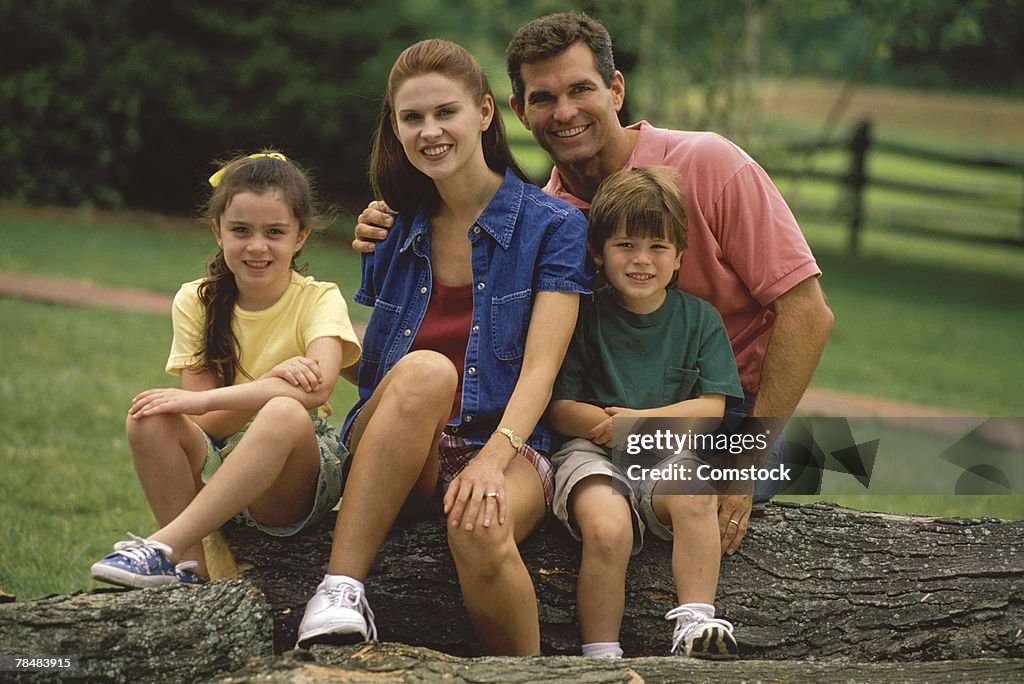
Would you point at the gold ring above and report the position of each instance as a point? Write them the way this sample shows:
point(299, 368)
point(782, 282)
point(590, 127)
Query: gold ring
point(494, 494)
point(733, 522)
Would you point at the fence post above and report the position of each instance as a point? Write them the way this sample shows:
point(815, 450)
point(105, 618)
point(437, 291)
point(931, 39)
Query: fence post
point(856, 179)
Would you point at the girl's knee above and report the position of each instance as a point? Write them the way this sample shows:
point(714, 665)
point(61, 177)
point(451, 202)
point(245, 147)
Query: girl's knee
point(283, 410)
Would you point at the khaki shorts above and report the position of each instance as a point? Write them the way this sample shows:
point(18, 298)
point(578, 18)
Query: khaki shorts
point(580, 458)
point(328, 485)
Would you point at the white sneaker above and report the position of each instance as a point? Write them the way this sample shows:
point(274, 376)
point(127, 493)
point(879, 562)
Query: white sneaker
point(703, 637)
point(338, 613)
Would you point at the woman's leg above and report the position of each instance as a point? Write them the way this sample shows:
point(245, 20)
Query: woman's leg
point(604, 518)
point(394, 458)
point(272, 471)
point(496, 586)
point(168, 452)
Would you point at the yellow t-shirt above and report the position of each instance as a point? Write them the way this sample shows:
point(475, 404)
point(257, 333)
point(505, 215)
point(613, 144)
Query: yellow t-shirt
point(308, 310)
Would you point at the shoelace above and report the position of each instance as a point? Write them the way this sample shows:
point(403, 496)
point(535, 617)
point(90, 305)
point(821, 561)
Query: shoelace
point(139, 549)
point(686, 620)
point(352, 597)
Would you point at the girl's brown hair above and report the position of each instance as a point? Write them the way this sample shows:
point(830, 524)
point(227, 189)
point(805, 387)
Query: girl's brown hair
point(261, 173)
point(392, 175)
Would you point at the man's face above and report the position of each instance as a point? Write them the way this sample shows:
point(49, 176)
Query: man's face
point(568, 108)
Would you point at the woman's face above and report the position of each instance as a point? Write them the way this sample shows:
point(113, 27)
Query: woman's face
point(439, 124)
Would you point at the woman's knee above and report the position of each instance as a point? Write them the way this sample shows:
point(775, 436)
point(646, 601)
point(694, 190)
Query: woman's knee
point(424, 375)
point(483, 550)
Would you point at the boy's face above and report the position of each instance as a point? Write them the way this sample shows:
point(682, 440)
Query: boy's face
point(639, 269)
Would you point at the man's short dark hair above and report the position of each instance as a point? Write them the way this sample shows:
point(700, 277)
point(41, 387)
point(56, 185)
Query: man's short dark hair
point(552, 35)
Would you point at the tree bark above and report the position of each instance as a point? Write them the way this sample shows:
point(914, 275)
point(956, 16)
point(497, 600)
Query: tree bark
point(815, 592)
point(389, 662)
point(808, 582)
point(169, 634)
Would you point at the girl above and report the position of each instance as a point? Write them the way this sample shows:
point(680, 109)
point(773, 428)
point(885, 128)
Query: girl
point(474, 294)
point(258, 348)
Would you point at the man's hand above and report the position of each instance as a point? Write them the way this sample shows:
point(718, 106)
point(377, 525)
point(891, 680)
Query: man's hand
point(733, 515)
point(372, 226)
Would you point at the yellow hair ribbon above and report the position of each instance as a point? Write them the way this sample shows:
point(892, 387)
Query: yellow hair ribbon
point(215, 178)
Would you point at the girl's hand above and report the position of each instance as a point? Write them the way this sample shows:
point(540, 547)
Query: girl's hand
point(299, 371)
point(168, 400)
point(477, 495)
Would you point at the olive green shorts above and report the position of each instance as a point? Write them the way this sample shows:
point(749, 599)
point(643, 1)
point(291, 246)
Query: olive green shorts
point(328, 485)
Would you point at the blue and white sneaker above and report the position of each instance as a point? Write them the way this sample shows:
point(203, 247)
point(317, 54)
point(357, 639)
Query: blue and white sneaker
point(138, 563)
point(186, 576)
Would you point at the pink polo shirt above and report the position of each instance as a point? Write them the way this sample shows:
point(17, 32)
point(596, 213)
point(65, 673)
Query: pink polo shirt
point(745, 247)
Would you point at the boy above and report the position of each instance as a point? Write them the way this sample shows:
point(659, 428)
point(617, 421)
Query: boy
point(619, 365)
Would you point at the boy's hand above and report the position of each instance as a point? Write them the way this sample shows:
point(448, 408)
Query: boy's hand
point(372, 226)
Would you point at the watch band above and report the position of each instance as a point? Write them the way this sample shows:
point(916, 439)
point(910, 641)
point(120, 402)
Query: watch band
point(515, 440)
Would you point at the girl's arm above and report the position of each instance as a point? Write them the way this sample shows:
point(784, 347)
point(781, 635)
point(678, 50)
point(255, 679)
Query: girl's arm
point(551, 324)
point(222, 411)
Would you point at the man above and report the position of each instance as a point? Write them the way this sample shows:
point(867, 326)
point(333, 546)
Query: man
point(746, 253)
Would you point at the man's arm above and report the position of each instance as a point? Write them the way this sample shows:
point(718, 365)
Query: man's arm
point(802, 325)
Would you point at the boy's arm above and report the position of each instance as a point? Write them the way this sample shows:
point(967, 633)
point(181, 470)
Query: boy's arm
point(575, 418)
point(711, 405)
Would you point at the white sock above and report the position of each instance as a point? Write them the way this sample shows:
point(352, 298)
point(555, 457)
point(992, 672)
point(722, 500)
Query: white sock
point(602, 649)
point(335, 580)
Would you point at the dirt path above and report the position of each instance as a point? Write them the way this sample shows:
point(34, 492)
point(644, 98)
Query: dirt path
point(84, 293)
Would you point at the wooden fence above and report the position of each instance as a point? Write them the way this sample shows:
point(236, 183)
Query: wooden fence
point(856, 180)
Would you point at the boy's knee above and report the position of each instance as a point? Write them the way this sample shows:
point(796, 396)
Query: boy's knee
point(684, 507)
point(610, 537)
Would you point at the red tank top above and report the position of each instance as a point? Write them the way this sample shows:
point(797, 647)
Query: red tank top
point(445, 328)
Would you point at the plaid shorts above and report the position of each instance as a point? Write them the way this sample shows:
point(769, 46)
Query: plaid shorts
point(454, 455)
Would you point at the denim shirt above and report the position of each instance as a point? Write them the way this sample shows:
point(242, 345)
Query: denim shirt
point(523, 243)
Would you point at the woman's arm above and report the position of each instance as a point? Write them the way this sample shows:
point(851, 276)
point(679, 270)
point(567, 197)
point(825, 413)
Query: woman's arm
point(551, 324)
point(222, 411)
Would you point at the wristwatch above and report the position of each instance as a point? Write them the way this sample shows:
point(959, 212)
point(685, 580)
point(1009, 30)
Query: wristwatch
point(515, 440)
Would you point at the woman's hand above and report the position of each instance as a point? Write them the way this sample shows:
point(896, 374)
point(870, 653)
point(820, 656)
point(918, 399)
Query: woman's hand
point(373, 225)
point(477, 494)
point(299, 371)
point(168, 400)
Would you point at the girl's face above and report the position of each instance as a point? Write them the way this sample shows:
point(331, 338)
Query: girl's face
point(639, 269)
point(439, 123)
point(259, 235)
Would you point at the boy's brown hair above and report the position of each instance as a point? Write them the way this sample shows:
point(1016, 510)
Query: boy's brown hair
point(646, 202)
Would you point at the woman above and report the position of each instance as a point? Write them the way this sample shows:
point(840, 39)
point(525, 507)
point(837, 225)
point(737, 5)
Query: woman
point(475, 294)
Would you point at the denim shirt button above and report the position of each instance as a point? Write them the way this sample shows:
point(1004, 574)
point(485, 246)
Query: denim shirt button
point(423, 290)
point(480, 286)
point(471, 370)
point(468, 419)
point(476, 328)
point(476, 229)
point(407, 332)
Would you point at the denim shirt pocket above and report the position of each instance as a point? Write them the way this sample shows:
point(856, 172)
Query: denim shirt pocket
point(510, 319)
point(679, 384)
point(380, 330)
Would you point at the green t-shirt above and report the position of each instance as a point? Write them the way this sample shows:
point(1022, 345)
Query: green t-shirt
point(639, 361)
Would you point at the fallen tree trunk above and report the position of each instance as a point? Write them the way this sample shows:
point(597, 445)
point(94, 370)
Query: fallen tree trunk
point(179, 634)
point(824, 592)
point(809, 582)
point(389, 662)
